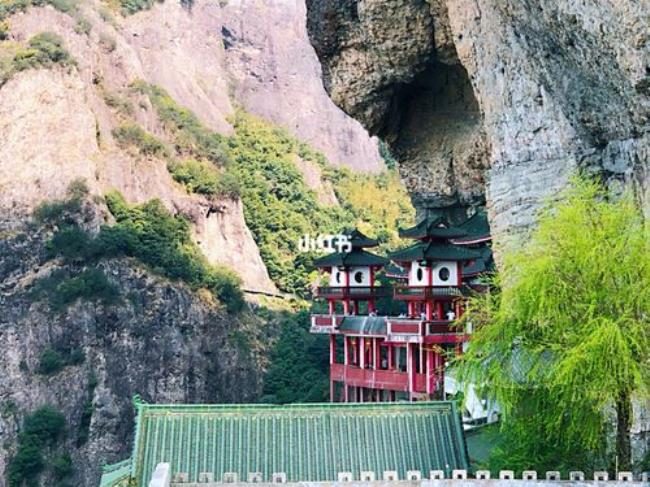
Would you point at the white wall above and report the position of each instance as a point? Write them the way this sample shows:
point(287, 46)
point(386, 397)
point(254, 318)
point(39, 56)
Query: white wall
point(437, 281)
point(363, 273)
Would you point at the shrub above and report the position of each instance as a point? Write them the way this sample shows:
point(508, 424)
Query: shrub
point(41, 429)
point(83, 26)
point(62, 290)
point(51, 362)
point(122, 105)
point(197, 176)
point(129, 7)
point(132, 135)
point(44, 50)
point(62, 466)
point(64, 210)
point(107, 42)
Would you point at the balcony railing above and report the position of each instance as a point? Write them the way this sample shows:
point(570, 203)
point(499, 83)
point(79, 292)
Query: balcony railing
point(411, 293)
point(353, 292)
point(392, 380)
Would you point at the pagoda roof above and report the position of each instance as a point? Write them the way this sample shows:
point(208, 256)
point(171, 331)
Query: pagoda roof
point(431, 227)
point(356, 257)
point(308, 442)
point(477, 228)
point(485, 263)
point(433, 251)
point(359, 240)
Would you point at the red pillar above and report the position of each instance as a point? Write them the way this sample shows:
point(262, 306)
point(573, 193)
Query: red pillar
point(332, 306)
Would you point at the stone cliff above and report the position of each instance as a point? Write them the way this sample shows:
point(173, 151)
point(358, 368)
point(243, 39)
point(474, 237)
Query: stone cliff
point(164, 340)
point(494, 102)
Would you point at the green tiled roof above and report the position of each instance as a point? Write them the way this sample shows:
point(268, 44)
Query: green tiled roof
point(433, 251)
point(356, 257)
point(476, 226)
point(432, 228)
point(309, 442)
point(116, 475)
point(359, 240)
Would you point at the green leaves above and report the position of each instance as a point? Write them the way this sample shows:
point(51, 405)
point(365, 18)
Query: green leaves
point(574, 309)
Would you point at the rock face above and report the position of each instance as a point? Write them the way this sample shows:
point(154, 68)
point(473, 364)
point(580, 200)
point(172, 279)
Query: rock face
point(495, 102)
point(162, 342)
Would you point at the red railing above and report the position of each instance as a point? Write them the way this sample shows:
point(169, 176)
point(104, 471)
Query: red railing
point(392, 380)
point(326, 320)
point(353, 292)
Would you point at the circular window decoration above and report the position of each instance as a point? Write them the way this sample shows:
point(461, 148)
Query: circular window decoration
point(337, 276)
point(443, 274)
point(358, 277)
point(419, 275)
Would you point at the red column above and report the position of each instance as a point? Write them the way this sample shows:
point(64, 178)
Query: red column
point(409, 369)
point(390, 356)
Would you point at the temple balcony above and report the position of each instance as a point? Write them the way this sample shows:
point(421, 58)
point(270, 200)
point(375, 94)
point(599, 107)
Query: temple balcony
point(391, 380)
point(394, 329)
point(353, 292)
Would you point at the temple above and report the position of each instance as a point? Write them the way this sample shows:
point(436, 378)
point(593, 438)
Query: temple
point(398, 351)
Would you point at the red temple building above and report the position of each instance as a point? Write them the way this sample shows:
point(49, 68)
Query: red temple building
point(377, 357)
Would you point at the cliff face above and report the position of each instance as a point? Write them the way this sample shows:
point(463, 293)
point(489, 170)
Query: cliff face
point(494, 101)
point(162, 340)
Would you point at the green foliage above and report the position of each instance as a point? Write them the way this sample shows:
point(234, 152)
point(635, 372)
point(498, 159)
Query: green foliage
point(566, 338)
point(387, 156)
point(191, 138)
point(202, 177)
point(280, 208)
point(162, 241)
point(64, 210)
point(133, 136)
point(130, 7)
point(122, 105)
point(63, 289)
point(299, 363)
point(53, 360)
point(50, 362)
point(41, 430)
point(62, 466)
point(83, 26)
point(44, 50)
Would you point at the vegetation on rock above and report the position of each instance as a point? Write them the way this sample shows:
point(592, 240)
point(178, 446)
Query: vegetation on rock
point(39, 438)
point(43, 50)
point(565, 342)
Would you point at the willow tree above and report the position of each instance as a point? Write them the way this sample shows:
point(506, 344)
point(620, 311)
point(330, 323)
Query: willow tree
point(563, 342)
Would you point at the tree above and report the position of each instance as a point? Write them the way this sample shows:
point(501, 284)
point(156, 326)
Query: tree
point(565, 339)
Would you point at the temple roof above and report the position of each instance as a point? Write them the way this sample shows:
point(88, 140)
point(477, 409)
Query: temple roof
point(359, 240)
point(308, 442)
point(433, 251)
point(485, 263)
point(477, 228)
point(432, 228)
point(356, 257)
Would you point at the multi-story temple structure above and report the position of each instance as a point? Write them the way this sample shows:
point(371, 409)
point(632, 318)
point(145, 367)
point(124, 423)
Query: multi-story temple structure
point(376, 356)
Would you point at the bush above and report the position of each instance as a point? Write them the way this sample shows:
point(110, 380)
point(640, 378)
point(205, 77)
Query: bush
point(41, 429)
point(44, 50)
point(129, 7)
point(64, 210)
point(197, 176)
point(51, 362)
point(132, 135)
point(83, 26)
point(62, 466)
point(62, 289)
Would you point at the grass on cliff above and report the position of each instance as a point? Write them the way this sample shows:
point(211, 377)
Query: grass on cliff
point(43, 50)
